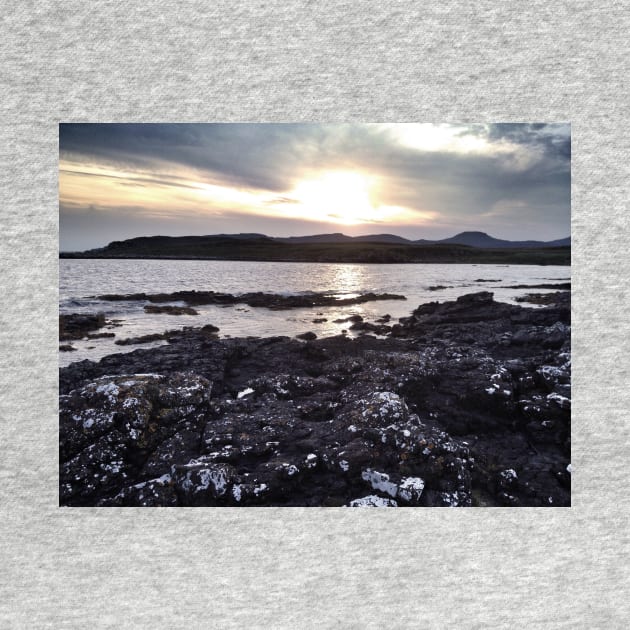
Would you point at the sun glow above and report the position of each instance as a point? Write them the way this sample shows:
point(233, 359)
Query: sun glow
point(448, 138)
point(347, 198)
point(343, 197)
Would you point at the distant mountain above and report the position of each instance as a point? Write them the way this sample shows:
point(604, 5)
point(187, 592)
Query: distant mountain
point(382, 238)
point(561, 242)
point(337, 237)
point(481, 239)
point(240, 235)
point(467, 247)
point(470, 239)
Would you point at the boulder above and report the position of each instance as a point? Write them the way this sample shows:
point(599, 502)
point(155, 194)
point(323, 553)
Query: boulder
point(110, 427)
point(78, 325)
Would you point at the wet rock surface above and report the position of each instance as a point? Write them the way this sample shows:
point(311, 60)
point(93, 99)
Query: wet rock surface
point(208, 331)
point(78, 325)
point(170, 310)
point(539, 298)
point(464, 403)
point(271, 301)
point(562, 286)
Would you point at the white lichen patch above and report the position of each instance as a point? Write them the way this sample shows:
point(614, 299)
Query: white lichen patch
point(380, 481)
point(551, 373)
point(260, 489)
point(562, 401)
point(311, 460)
point(372, 500)
point(159, 481)
point(237, 491)
point(410, 489)
point(94, 418)
point(450, 499)
point(509, 474)
point(110, 391)
point(131, 403)
point(112, 467)
point(290, 469)
point(215, 477)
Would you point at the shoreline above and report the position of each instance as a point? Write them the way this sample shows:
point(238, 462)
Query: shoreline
point(564, 262)
point(462, 403)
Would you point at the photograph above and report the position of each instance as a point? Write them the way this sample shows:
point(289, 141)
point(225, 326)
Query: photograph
point(315, 314)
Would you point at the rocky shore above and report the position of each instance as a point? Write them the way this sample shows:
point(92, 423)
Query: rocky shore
point(273, 301)
point(464, 403)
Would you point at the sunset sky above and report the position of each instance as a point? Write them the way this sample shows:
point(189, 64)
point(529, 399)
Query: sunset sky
point(117, 181)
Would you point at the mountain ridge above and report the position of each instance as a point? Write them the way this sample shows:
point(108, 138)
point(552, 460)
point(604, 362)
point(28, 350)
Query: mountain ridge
point(476, 239)
point(469, 238)
point(335, 248)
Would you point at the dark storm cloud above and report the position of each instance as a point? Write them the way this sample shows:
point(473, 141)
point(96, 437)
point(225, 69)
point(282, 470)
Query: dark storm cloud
point(523, 178)
point(244, 155)
point(165, 180)
point(272, 156)
point(466, 185)
point(553, 138)
point(531, 164)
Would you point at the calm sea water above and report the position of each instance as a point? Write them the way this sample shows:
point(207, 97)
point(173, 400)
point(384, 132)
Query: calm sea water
point(81, 280)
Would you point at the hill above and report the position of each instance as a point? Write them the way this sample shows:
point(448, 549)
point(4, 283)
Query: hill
point(324, 248)
point(481, 239)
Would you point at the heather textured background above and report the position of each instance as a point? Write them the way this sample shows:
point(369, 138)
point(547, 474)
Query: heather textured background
point(329, 61)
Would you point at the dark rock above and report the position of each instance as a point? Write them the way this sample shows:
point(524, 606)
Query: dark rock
point(77, 325)
point(379, 329)
point(67, 348)
point(542, 298)
point(159, 492)
point(483, 297)
point(266, 300)
point(446, 410)
point(308, 336)
point(208, 331)
point(561, 286)
point(109, 428)
point(101, 335)
point(142, 339)
point(351, 318)
point(170, 310)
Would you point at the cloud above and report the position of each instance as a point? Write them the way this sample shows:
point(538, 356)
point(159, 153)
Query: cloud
point(460, 183)
point(553, 138)
point(242, 155)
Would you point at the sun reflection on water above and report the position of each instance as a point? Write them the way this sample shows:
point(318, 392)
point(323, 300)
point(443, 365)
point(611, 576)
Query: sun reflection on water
point(348, 280)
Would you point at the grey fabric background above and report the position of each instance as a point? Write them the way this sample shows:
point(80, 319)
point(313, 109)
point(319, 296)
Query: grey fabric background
point(302, 61)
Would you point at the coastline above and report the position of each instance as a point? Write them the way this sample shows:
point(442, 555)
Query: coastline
point(527, 257)
point(462, 403)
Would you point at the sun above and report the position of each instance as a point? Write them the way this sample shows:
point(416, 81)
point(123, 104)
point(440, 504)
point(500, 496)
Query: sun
point(338, 196)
